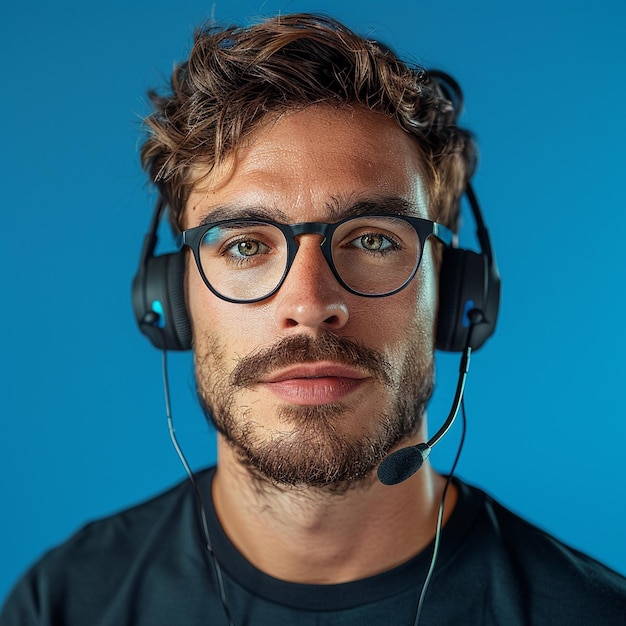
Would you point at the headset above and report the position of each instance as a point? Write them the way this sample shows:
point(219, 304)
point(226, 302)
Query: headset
point(469, 281)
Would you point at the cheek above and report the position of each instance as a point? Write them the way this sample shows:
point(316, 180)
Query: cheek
point(412, 310)
point(427, 291)
point(236, 327)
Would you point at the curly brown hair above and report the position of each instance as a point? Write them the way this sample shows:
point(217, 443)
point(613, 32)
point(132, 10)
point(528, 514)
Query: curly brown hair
point(235, 76)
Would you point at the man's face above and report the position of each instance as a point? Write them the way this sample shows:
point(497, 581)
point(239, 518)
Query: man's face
point(314, 385)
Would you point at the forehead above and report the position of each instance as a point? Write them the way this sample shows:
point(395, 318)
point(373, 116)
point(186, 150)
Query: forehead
point(314, 165)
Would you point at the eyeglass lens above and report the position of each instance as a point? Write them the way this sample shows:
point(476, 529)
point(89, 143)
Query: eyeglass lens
point(246, 260)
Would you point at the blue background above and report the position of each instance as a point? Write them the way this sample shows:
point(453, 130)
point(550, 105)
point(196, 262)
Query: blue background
point(83, 426)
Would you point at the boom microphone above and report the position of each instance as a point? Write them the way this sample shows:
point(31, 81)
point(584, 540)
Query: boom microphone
point(403, 463)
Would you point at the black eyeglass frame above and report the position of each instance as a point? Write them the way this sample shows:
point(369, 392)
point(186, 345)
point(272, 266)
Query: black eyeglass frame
point(424, 228)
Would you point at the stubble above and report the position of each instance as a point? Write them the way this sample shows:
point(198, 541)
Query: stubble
point(315, 448)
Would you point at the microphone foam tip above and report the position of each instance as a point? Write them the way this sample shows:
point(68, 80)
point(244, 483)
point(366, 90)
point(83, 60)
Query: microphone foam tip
point(400, 465)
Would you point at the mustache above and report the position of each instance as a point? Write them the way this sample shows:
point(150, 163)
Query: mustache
point(303, 348)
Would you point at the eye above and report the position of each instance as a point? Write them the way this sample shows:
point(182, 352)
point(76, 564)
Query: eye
point(246, 248)
point(374, 242)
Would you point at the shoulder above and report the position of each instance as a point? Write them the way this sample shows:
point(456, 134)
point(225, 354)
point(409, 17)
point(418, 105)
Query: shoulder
point(551, 577)
point(109, 561)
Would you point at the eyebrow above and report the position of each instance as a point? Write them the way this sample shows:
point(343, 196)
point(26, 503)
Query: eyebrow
point(337, 209)
point(383, 205)
point(238, 211)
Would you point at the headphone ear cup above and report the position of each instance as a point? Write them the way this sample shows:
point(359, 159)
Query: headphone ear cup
point(159, 302)
point(466, 282)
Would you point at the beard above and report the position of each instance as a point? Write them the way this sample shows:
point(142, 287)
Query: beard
point(315, 449)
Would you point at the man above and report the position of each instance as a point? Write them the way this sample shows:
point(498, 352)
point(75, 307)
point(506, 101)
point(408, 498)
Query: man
point(314, 178)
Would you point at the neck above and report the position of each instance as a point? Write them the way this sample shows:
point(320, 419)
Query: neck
point(318, 536)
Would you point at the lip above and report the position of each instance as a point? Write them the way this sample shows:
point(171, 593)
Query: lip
point(314, 383)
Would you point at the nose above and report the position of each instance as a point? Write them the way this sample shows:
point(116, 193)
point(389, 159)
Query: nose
point(311, 299)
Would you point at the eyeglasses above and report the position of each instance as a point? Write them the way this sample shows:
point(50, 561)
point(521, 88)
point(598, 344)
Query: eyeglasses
point(247, 260)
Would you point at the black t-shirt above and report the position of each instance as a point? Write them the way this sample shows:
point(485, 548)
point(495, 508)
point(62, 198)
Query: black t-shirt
point(147, 566)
